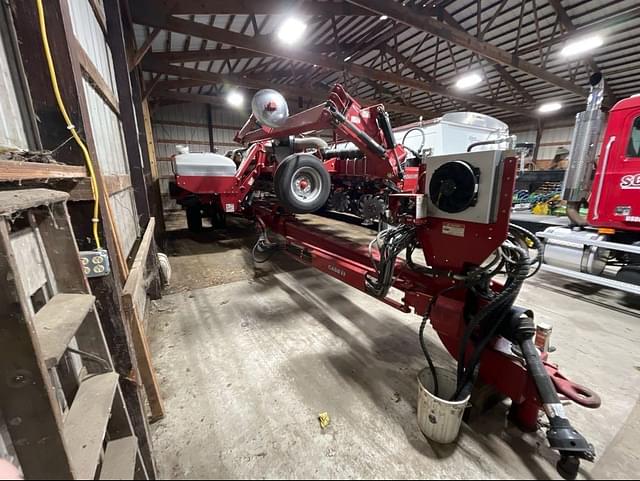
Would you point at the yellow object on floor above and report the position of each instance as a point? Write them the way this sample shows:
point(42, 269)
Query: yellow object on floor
point(324, 419)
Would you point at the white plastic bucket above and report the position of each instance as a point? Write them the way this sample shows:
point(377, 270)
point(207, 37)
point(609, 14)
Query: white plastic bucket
point(439, 419)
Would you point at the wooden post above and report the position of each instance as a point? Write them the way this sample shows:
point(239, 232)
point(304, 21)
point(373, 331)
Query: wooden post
point(115, 39)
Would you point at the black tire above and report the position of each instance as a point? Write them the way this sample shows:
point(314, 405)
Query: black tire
point(302, 183)
point(194, 218)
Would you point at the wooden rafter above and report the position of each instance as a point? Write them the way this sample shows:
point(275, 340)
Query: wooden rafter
point(144, 15)
point(424, 22)
point(566, 21)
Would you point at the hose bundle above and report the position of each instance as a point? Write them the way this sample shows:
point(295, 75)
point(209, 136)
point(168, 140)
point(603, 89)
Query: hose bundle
point(390, 243)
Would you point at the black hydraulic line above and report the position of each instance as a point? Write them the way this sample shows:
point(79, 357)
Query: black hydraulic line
point(487, 142)
point(385, 125)
point(366, 138)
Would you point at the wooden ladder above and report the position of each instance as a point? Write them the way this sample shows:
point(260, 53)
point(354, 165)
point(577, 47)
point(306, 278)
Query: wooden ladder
point(59, 394)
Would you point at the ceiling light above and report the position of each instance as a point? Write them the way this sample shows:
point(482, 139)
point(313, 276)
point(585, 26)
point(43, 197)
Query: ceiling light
point(348, 58)
point(468, 81)
point(582, 45)
point(549, 107)
point(384, 17)
point(235, 99)
point(291, 31)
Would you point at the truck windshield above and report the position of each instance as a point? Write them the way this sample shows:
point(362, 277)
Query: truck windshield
point(633, 150)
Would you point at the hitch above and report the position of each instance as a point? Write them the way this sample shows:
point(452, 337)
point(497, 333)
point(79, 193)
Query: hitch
point(562, 436)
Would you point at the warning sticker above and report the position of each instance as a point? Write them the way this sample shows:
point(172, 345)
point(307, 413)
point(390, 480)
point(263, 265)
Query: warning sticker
point(230, 208)
point(456, 230)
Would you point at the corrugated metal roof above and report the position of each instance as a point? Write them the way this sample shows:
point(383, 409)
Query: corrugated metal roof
point(530, 29)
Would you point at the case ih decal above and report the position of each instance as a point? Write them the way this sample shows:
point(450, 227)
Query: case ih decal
point(631, 181)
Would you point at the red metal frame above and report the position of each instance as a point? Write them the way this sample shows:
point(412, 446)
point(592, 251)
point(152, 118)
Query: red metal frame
point(350, 263)
point(450, 246)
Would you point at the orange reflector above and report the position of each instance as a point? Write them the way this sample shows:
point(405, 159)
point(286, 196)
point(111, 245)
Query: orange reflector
point(606, 231)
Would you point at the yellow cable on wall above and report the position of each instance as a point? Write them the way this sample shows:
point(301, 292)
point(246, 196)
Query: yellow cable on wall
point(63, 110)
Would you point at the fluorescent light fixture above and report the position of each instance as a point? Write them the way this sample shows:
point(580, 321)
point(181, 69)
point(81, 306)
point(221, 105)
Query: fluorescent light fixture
point(235, 99)
point(384, 17)
point(348, 58)
point(549, 107)
point(468, 81)
point(582, 45)
point(291, 31)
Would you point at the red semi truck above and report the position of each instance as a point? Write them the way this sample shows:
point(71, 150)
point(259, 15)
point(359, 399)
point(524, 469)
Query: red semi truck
point(603, 247)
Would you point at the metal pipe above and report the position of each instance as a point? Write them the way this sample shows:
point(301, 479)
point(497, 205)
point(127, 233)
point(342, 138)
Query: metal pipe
point(309, 142)
point(363, 136)
point(586, 135)
point(573, 213)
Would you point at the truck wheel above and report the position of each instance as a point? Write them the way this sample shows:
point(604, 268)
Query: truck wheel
point(302, 183)
point(194, 218)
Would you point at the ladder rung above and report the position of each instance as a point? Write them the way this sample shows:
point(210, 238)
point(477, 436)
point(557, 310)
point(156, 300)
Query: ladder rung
point(120, 459)
point(58, 322)
point(86, 423)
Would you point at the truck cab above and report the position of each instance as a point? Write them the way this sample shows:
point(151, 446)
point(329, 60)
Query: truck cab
point(615, 199)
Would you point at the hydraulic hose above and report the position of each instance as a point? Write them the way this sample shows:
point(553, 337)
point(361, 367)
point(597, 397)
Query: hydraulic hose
point(495, 309)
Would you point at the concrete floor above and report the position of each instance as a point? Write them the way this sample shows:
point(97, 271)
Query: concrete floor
point(248, 358)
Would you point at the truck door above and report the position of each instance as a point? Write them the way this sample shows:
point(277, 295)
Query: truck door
point(615, 201)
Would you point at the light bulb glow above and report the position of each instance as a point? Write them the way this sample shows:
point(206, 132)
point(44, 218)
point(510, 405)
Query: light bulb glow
point(235, 99)
point(549, 107)
point(291, 31)
point(581, 46)
point(468, 81)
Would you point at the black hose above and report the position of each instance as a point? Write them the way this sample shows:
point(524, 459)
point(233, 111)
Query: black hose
point(537, 245)
point(497, 308)
point(259, 247)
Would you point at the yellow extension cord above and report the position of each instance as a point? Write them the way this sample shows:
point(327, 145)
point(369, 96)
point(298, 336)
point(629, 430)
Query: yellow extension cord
point(63, 110)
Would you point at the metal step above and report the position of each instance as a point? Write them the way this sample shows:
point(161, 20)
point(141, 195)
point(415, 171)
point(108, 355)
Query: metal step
point(120, 459)
point(86, 423)
point(57, 323)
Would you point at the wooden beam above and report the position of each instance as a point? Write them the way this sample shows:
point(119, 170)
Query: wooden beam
point(95, 77)
point(205, 55)
point(263, 7)
point(502, 71)
point(193, 98)
point(134, 297)
point(142, 51)
point(595, 27)
point(146, 16)
point(426, 23)
point(151, 85)
point(15, 171)
point(565, 20)
point(201, 77)
point(130, 128)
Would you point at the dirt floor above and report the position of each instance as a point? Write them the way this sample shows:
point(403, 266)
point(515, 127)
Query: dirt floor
point(248, 357)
